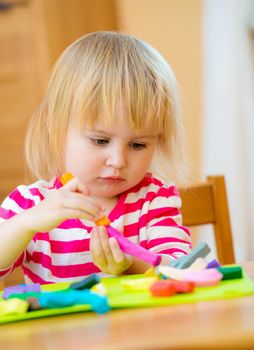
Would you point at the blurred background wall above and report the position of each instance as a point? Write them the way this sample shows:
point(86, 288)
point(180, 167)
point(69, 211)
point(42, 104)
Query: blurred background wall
point(34, 32)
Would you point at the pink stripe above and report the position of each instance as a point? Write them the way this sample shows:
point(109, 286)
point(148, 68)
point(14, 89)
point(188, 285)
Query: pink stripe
point(6, 213)
point(170, 222)
point(158, 241)
point(33, 277)
point(63, 271)
point(19, 261)
point(36, 192)
point(131, 230)
point(171, 251)
point(5, 272)
point(23, 202)
point(75, 246)
point(41, 236)
point(73, 223)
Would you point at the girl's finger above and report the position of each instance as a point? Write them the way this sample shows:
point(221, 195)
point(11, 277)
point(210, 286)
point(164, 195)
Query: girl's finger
point(96, 249)
point(104, 241)
point(75, 185)
point(117, 253)
point(82, 203)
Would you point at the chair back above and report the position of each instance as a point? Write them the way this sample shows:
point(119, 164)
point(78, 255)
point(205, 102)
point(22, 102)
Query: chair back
point(206, 203)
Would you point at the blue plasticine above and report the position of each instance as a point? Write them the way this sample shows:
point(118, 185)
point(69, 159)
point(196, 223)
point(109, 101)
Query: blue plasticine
point(200, 251)
point(71, 297)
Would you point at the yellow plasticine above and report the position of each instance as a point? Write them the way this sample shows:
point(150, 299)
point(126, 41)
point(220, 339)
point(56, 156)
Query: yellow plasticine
point(13, 306)
point(151, 272)
point(99, 288)
point(104, 221)
point(66, 178)
point(140, 284)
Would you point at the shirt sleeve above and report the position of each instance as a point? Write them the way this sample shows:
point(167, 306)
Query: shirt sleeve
point(18, 201)
point(165, 233)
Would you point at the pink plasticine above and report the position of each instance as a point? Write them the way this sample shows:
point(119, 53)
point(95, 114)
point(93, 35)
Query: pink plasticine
point(133, 249)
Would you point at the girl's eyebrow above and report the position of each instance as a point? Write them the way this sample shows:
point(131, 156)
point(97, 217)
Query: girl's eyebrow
point(148, 136)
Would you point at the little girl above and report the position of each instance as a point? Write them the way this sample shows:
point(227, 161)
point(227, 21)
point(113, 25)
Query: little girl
point(111, 117)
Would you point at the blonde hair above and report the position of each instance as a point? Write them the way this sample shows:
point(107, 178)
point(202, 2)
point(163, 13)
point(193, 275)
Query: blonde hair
point(88, 81)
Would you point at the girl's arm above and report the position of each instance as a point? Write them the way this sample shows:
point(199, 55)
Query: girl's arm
point(70, 201)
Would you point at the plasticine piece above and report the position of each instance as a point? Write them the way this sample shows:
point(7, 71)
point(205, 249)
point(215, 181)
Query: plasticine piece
point(201, 250)
point(171, 272)
point(21, 288)
point(139, 284)
point(13, 306)
point(231, 272)
point(86, 283)
point(178, 274)
point(151, 272)
point(66, 178)
point(198, 265)
point(133, 249)
point(162, 289)
point(23, 296)
point(70, 297)
point(213, 264)
point(104, 221)
point(99, 288)
point(183, 286)
point(205, 278)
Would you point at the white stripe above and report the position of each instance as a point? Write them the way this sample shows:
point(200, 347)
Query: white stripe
point(177, 219)
point(169, 231)
point(60, 259)
point(10, 204)
point(164, 202)
point(66, 235)
point(46, 274)
point(132, 197)
point(174, 245)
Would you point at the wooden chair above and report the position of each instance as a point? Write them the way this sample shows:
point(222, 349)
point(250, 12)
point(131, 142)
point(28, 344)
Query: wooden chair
point(206, 203)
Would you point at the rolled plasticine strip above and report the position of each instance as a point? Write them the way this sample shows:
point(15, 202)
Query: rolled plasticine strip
point(178, 274)
point(205, 278)
point(213, 264)
point(231, 272)
point(200, 251)
point(126, 245)
point(21, 288)
point(133, 249)
point(162, 289)
point(71, 297)
point(86, 283)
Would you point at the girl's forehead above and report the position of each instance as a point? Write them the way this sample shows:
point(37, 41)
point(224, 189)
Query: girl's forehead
point(122, 126)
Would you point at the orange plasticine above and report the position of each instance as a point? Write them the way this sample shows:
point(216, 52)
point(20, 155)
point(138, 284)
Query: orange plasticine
point(104, 221)
point(66, 178)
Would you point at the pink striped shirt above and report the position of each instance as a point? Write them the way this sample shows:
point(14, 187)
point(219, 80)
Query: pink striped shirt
point(148, 214)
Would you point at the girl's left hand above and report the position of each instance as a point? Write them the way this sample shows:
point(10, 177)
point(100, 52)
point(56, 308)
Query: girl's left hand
point(106, 253)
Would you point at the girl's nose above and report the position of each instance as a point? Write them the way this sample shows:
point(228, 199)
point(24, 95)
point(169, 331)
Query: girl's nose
point(116, 159)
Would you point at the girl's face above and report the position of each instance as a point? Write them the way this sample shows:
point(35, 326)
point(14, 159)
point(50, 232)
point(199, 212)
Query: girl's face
point(109, 159)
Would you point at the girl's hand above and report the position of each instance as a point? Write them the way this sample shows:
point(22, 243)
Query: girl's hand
point(106, 253)
point(70, 201)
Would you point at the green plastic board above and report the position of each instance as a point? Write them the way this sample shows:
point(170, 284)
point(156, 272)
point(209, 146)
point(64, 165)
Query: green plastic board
point(119, 297)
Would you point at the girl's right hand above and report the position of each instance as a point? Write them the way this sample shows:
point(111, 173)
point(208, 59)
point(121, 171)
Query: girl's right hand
point(70, 201)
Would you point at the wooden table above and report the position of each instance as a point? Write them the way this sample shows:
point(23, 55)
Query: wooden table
point(225, 324)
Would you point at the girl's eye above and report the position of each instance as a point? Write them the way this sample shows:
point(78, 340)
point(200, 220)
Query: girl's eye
point(137, 146)
point(99, 142)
